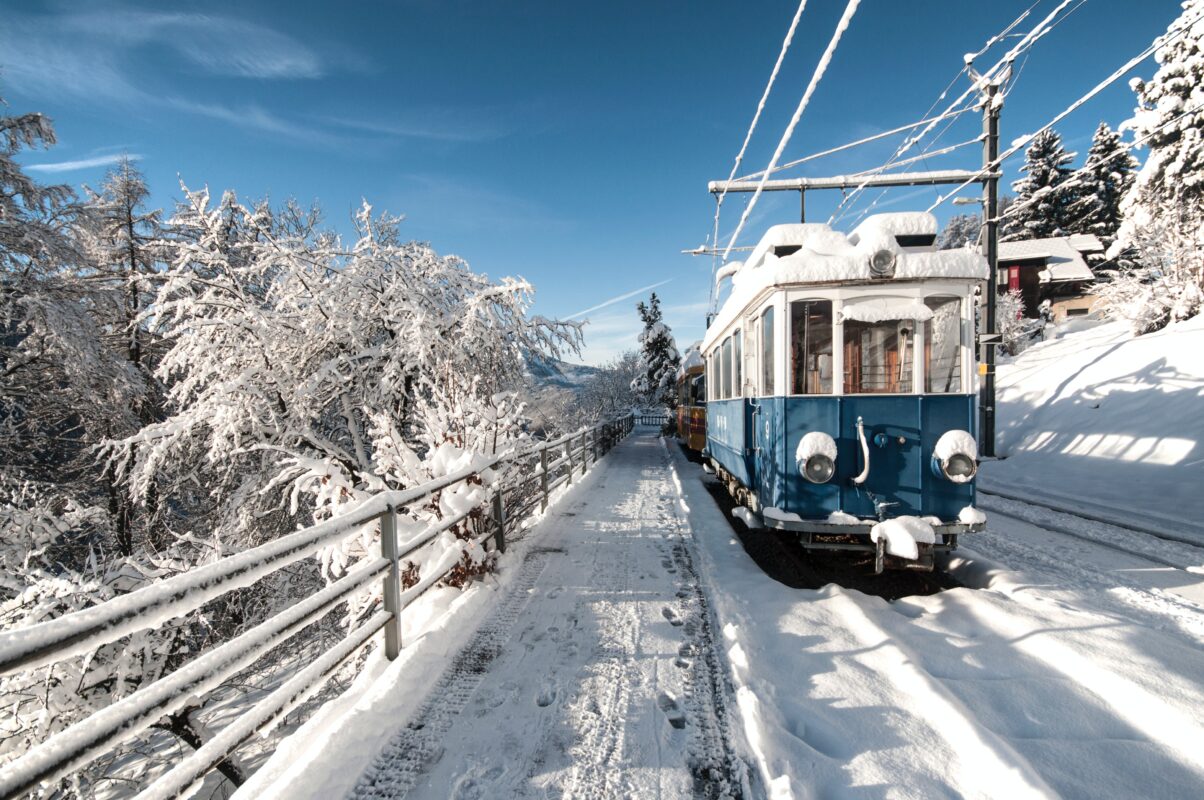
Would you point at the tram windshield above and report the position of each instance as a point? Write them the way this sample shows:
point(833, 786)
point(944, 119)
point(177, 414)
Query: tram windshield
point(942, 345)
point(811, 347)
point(878, 356)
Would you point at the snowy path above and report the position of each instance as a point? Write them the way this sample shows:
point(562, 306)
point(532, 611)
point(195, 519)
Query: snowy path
point(592, 676)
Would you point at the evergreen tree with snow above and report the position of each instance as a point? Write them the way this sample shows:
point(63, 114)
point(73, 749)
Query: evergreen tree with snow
point(1163, 211)
point(659, 359)
point(961, 230)
point(1042, 207)
point(1101, 185)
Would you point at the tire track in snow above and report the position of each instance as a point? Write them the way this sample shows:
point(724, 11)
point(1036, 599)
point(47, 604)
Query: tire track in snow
point(417, 745)
point(602, 702)
point(718, 771)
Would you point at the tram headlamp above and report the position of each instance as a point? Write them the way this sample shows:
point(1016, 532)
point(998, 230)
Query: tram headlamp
point(816, 457)
point(819, 468)
point(882, 264)
point(959, 468)
point(955, 457)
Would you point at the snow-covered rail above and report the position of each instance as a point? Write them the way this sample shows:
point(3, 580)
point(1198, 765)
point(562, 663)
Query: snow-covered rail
point(531, 476)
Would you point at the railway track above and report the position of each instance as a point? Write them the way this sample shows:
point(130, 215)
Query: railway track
point(1179, 560)
point(1060, 509)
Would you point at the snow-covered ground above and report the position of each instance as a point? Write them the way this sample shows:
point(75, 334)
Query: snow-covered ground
point(1105, 421)
point(630, 646)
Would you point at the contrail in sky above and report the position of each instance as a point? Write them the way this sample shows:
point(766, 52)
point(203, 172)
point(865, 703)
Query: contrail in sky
point(618, 299)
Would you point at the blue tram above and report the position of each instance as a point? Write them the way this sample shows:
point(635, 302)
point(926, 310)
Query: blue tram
point(841, 396)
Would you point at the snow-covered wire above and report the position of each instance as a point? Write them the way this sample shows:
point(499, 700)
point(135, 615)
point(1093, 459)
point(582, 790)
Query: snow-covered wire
point(850, 145)
point(1026, 42)
point(820, 68)
point(752, 127)
point(1025, 140)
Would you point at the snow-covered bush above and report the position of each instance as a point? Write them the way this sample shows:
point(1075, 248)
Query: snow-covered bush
point(1016, 329)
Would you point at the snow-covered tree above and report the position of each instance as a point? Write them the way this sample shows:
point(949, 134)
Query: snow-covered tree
point(609, 393)
point(959, 231)
point(1042, 206)
point(305, 376)
point(1163, 211)
point(659, 359)
point(1101, 184)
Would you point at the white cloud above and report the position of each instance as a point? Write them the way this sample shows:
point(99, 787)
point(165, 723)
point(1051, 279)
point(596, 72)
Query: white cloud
point(83, 163)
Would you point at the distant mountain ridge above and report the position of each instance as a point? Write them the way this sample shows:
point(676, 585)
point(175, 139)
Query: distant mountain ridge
point(554, 372)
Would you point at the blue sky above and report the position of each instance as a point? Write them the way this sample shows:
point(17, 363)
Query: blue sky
point(568, 143)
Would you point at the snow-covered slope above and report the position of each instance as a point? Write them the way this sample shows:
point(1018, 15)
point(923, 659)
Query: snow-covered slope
point(546, 371)
point(1107, 421)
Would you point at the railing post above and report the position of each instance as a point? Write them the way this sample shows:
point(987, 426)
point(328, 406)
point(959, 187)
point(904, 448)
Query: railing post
point(568, 453)
point(593, 435)
point(543, 477)
point(499, 520)
point(392, 587)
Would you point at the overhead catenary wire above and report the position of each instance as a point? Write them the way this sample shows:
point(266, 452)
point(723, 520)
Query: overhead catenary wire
point(1026, 42)
point(850, 145)
point(816, 76)
point(753, 126)
point(1025, 140)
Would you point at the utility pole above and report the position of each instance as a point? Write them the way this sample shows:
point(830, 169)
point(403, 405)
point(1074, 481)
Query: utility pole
point(992, 102)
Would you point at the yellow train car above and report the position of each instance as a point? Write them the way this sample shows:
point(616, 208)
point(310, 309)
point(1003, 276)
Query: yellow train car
point(691, 402)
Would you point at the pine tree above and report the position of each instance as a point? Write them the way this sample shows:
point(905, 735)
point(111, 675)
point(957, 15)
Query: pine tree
point(959, 231)
point(1102, 183)
point(655, 384)
point(1163, 211)
point(1042, 204)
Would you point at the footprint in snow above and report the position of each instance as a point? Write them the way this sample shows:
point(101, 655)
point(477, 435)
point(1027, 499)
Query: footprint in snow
point(546, 695)
point(673, 712)
point(671, 615)
point(682, 594)
point(555, 592)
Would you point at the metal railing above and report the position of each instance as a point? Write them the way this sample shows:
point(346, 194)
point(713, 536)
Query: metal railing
point(534, 475)
point(652, 419)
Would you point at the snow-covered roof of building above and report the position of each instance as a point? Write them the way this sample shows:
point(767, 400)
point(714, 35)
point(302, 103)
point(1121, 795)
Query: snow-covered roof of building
point(1085, 243)
point(1063, 257)
point(819, 254)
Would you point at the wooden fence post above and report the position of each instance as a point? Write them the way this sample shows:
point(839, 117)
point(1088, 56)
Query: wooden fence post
point(568, 453)
point(392, 587)
point(499, 520)
point(543, 477)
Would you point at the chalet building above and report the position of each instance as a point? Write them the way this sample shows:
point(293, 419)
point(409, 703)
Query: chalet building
point(1051, 269)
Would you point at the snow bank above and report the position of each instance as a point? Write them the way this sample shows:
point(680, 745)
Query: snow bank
point(904, 535)
point(1101, 420)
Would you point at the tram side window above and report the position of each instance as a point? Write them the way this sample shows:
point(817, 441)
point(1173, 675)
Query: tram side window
point(699, 390)
point(736, 388)
point(943, 345)
point(725, 381)
point(767, 352)
point(878, 356)
point(811, 347)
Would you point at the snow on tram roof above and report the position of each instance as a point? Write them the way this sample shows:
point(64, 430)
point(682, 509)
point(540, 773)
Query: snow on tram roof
point(814, 253)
